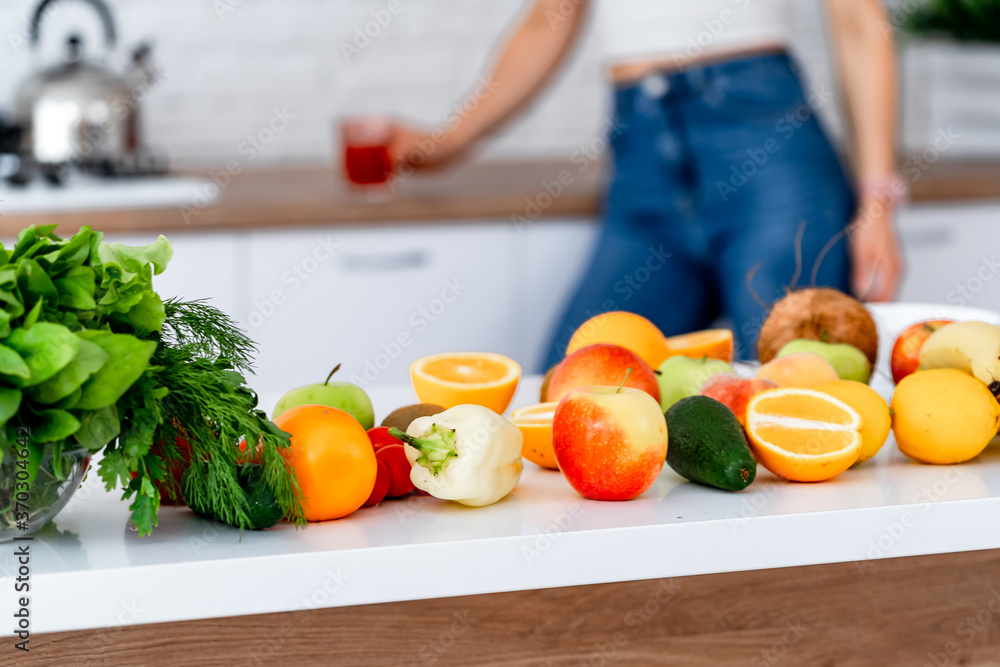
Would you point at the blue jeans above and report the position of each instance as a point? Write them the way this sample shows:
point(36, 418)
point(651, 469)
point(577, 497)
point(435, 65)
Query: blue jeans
point(725, 193)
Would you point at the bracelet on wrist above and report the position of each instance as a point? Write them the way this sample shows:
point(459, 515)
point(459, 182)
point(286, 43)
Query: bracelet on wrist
point(891, 191)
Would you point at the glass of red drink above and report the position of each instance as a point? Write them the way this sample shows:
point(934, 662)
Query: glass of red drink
point(367, 161)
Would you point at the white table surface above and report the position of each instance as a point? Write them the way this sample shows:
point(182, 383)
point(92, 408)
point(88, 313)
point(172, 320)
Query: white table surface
point(96, 572)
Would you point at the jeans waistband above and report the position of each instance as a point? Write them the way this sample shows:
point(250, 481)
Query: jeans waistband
point(695, 79)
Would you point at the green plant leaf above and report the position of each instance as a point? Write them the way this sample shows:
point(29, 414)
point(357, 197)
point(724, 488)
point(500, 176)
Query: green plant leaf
point(88, 361)
point(98, 428)
point(69, 402)
point(144, 511)
point(134, 258)
point(9, 300)
point(74, 252)
point(32, 317)
point(52, 425)
point(11, 363)
point(129, 359)
point(46, 349)
point(10, 401)
point(146, 316)
point(126, 273)
point(34, 281)
point(77, 288)
point(113, 468)
point(31, 239)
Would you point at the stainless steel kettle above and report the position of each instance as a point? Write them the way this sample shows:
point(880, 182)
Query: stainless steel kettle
point(76, 114)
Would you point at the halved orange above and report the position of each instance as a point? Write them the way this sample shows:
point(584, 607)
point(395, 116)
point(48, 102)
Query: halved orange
point(459, 378)
point(711, 343)
point(535, 422)
point(803, 435)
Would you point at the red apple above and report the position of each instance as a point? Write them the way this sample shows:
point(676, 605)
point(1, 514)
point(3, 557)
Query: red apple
point(735, 391)
point(609, 442)
point(905, 357)
point(602, 364)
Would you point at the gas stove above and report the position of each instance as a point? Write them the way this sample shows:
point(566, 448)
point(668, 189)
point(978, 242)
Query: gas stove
point(85, 192)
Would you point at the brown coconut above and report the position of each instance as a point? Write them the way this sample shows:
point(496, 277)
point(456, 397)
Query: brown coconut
point(818, 313)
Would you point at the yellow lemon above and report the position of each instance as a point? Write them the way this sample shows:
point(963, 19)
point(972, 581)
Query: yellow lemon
point(874, 411)
point(631, 331)
point(943, 416)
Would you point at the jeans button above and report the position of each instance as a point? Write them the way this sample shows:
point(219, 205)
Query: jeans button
point(655, 86)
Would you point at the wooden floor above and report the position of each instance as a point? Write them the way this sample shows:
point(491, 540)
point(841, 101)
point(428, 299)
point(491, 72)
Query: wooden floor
point(934, 611)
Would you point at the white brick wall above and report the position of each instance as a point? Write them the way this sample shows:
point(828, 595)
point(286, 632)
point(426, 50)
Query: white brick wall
point(226, 72)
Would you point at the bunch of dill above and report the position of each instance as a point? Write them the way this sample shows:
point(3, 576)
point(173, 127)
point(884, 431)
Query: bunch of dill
point(195, 389)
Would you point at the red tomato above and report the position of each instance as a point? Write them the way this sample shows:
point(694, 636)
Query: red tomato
point(381, 486)
point(394, 457)
point(380, 437)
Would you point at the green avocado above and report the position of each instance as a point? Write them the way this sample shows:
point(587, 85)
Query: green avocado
point(707, 444)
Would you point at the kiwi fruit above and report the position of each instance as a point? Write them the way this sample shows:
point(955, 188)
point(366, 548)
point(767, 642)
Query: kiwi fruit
point(818, 313)
point(402, 417)
point(543, 395)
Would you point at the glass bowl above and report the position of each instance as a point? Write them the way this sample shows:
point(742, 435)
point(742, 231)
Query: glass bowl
point(25, 506)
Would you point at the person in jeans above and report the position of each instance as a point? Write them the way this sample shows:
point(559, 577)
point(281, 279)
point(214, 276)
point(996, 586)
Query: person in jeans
point(724, 188)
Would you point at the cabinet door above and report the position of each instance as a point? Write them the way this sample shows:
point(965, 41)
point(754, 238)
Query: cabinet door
point(551, 259)
point(204, 266)
point(374, 299)
point(952, 254)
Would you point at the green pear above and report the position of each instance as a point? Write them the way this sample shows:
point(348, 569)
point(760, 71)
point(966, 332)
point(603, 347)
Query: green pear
point(680, 377)
point(345, 396)
point(849, 362)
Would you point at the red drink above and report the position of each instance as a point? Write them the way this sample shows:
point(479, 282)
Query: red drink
point(367, 160)
point(367, 165)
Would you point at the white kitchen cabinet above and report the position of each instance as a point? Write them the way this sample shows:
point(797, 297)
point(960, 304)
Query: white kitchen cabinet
point(374, 299)
point(377, 298)
point(551, 258)
point(952, 254)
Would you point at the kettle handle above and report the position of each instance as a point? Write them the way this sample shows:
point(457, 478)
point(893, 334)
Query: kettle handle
point(110, 34)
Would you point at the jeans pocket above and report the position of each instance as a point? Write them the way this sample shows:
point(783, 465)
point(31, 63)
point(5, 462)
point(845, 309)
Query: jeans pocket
point(756, 89)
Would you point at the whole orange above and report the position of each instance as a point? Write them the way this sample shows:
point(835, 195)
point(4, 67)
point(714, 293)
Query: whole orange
point(332, 458)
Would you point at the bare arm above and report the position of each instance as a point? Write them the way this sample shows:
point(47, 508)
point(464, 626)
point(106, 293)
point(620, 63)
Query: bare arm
point(867, 63)
point(523, 65)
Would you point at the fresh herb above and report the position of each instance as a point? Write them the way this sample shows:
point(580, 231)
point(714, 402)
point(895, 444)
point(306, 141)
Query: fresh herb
point(91, 357)
point(205, 402)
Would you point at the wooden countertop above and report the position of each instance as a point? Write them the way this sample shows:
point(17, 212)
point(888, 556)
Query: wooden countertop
point(305, 196)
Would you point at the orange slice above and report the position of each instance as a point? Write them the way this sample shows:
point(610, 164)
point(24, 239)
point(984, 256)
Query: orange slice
point(711, 343)
point(631, 331)
point(459, 378)
point(535, 422)
point(803, 435)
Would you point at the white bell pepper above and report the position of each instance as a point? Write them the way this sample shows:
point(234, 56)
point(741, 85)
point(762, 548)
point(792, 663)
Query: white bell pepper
point(468, 454)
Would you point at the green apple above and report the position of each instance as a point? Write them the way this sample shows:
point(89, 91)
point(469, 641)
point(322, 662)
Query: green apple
point(345, 396)
point(849, 362)
point(680, 377)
